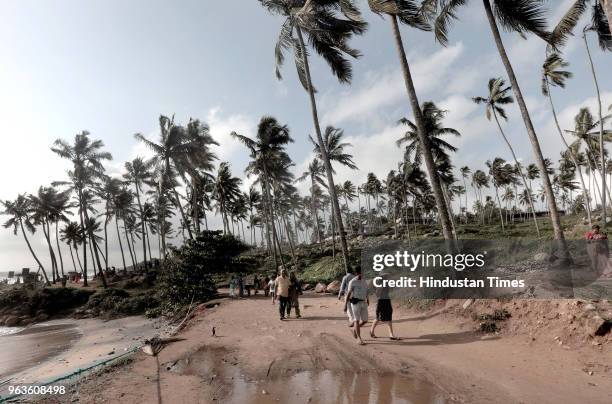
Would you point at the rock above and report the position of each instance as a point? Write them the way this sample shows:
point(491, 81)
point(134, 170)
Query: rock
point(541, 257)
point(306, 286)
point(333, 287)
point(589, 307)
point(595, 325)
point(11, 321)
point(320, 288)
point(25, 320)
point(41, 317)
point(467, 303)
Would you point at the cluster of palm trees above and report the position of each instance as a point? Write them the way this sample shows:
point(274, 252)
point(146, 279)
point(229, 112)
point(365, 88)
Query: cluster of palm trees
point(172, 194)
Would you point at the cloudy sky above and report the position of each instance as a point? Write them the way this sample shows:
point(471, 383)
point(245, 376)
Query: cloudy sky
point(111, 67)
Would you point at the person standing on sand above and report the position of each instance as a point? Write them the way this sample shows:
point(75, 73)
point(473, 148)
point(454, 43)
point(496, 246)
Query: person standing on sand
point(266, 286)
point(343, 288)
point(282, 292)
point(232, 286)
point(272, 288)
point(597, 249)
point(295, 290)
point(255, 285)
point(384, 310)
point(240, 286)
point(357, 295)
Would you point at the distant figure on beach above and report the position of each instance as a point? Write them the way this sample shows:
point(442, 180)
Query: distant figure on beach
point(272, 288)
point(295, 290)
point(357, 297)
point(384, 310)
point(232, 286)
point(282, 292)
point(342, 292)
point(240, 286)
point(266, 286)
point(598, 250)
point(255, 284)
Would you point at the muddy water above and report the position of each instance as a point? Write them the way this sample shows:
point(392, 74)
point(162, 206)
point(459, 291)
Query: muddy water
point(320, 386)
point(31, 346)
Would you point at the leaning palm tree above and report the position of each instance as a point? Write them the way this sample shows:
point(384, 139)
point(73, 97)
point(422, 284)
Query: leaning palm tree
point(86, 157)
point(327, 26)
point(138, 172)
point(410, 14)
point(498, 97)
point(465, 173)
point(20, 220)
point(226, 190)
point(523, 17)
point(554, 75)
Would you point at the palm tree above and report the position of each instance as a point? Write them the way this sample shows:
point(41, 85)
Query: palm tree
point(480, 180)
point(553, 75)
point(465, 173)
point(86, 157)
point(500, 172)
point(494, 101)
point(19, 211)
point(521, 16)
point(315, 174)
point(71, 234)
point(349, 192)
point(226, 190)
point(138, 172)
point(328, 27)
point(408, 13)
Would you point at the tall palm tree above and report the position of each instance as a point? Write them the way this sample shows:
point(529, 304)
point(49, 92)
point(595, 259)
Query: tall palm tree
point(523, 17)
point(465, 173)
point(554, 75)
point(86, 156)
point(500, 173)
point(226, 190)
point(410, 14)
point(349, 192)
point(315, 174)
point(20, 219)
point(71, 235)
point(328, 26)
point(138, 172)
point(494, 101)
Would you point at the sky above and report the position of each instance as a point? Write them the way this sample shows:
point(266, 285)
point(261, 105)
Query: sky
point(112, 67)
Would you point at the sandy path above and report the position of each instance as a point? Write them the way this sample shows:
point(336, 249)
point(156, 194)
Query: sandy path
point(458, 363)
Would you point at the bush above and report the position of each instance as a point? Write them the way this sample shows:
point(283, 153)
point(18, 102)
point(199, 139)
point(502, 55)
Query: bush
point(187, 273)
point(117, 302)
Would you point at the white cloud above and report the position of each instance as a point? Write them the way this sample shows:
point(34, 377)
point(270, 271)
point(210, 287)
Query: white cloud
point(385, 88)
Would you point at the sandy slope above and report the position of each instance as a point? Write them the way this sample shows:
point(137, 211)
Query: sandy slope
point(254, 348)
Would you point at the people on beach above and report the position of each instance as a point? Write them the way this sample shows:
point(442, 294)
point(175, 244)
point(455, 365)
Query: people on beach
point(282, 292)
point(232, 286)
point(255, 284)
point(384, 310)
point(342, 292)
point(240, 286)
point(266, 286)
point(598, 250)
point(272, 288)
point(295, 290)
point(357, 297)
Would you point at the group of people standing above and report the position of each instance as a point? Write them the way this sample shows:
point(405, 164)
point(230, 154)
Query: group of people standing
point(354, 290)
point(287, 289)
point(241, 286)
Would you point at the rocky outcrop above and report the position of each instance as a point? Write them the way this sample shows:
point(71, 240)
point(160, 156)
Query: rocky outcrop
point(333, 287)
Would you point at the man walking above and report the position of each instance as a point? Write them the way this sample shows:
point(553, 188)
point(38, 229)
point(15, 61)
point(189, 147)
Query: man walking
point(343, 289)
point(282, 292)
point(357, 296)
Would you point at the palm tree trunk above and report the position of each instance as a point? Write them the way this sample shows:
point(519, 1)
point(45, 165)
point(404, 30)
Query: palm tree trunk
point(587, 201)
point(76, 251)
point(601, 133)
point(270, 217)
point(179, 205)
point(54, 270)
point(142, 227)
point(40, 265)
point(59, 250)
point(120, 244)
point(535, 144)
point(127, 240)
point(84, 235)
point(322, 148)
point(520, 170)
point(423, 139)
point(450, 210)
point(72, 256)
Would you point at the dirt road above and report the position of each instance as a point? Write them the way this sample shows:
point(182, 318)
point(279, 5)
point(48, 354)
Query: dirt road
point(256, 358)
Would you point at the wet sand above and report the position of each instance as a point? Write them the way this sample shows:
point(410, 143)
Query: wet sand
point(33, 345)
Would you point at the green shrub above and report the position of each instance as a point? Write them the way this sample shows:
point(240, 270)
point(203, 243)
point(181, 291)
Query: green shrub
point(187, 273)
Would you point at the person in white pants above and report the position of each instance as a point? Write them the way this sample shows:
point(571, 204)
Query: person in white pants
point(343, 288)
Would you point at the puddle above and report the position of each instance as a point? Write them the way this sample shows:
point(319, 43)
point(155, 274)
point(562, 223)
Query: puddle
point(320, 386)
point(33, 345)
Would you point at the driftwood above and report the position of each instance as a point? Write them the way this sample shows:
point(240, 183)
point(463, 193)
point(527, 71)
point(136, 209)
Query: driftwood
point(153, 346)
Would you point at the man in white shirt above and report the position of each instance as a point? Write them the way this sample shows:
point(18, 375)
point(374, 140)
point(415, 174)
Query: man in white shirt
point(343, 289)
point(357, 297)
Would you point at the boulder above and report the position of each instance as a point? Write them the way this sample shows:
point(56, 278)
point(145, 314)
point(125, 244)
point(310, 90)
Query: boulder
point(306, 286)
point(11, 321)
point(541, 257)
point(320, 288)
point(596, 325)
point(41, 317)
point(333, 287)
